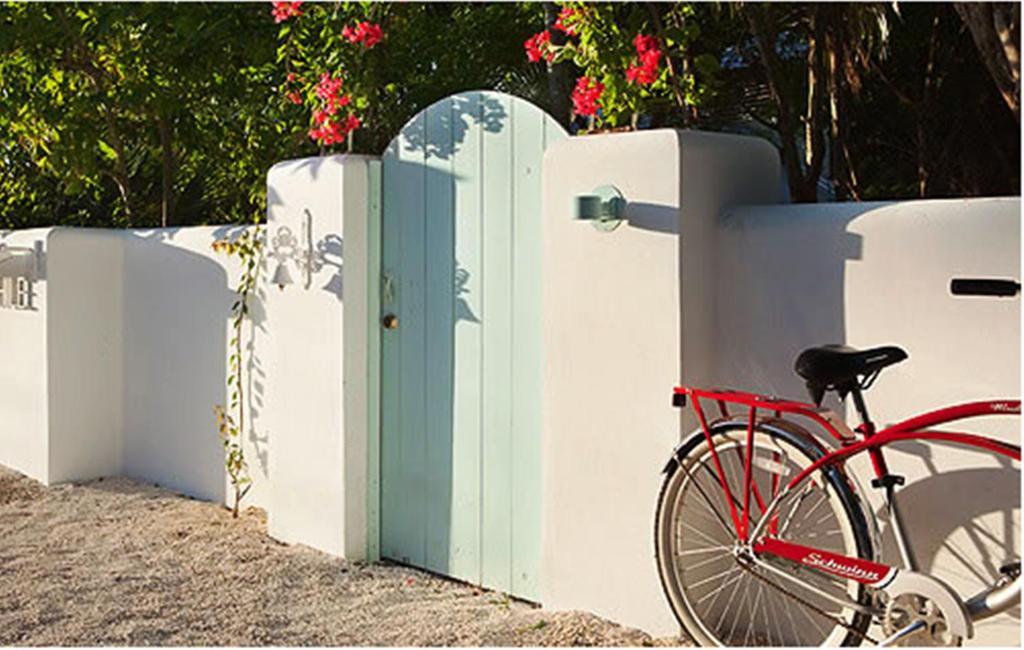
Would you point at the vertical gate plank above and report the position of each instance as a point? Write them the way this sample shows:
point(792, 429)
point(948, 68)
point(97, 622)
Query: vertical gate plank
point(497, 343)
point(373, 354)
point(440, 269)
point(408, 188)
point(391, 488)
point(465, 521)
point(525, 385)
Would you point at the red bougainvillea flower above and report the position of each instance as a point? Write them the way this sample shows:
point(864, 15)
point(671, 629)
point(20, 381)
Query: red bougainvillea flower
point(328, 131)
point(586, 96)
point(645, 43)
point(538, 47)
point(369, 34)
point(565, 16)
point(645, 71)
point(294, 97)
point(282, 11)
point(329, 126)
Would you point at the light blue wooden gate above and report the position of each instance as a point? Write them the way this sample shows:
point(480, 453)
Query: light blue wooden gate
point(461, 365)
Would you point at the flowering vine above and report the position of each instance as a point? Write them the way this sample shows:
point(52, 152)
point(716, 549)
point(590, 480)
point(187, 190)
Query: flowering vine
point(632, 58)
point(231, 419)
point(325, 88)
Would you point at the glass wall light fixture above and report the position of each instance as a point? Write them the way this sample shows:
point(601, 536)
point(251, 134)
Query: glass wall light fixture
point(604, 207)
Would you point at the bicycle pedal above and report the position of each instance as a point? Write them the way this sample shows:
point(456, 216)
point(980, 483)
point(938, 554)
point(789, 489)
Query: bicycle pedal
point(1011, 570)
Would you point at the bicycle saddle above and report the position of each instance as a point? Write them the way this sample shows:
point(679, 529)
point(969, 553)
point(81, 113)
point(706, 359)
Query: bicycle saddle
point(838, 367)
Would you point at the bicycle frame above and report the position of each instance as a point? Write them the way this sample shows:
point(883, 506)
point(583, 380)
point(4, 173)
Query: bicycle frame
point(869, 441)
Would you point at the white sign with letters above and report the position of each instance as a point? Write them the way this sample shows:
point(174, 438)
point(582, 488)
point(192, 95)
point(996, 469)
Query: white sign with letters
point(15, 293)
point(19, 269)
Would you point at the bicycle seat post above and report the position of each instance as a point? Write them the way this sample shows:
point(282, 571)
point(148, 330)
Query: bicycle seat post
point(884, 480)
point(862, 408)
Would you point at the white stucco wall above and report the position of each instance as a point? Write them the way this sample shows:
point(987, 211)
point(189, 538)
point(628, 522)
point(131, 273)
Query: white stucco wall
point(315, 407)
point(23, 394)
point(123, 359)
point(85, 270)
point(614, 310)
point(177, 296)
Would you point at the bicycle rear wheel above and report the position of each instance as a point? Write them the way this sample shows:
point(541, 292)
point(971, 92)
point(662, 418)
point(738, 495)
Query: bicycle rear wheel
point(720, 600)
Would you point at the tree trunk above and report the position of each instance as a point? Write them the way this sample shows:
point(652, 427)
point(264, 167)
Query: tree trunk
point(120, 174)
point(814, 123)
point(924, 161)
point(995, 27)
point(802, 179)
point(674, 76)
point(166, 171)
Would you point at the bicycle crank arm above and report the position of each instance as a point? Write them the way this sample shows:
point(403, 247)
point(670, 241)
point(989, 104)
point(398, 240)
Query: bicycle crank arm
point(994, 600)
point(907, 631)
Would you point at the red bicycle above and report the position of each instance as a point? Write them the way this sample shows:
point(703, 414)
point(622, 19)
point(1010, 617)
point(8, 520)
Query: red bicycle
point(761, 534)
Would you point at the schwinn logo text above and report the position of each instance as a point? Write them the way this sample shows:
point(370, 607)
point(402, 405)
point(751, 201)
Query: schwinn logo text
point(840, 569)
point(1005, 407)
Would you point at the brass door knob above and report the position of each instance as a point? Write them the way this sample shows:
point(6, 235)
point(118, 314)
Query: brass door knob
point(390, 322)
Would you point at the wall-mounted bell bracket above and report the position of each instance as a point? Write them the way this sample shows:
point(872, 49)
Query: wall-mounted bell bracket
point(604, 207)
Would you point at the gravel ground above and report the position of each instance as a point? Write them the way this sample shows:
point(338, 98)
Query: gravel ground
point(114, 561)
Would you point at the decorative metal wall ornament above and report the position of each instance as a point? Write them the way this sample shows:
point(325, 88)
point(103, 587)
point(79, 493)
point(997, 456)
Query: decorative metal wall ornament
point(285, 247)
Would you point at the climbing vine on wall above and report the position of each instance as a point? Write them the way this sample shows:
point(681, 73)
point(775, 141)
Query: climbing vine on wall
point(231, 419)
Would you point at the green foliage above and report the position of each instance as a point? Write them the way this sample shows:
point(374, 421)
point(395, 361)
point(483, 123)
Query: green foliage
point(117, 114)
point(88, 92)
point(247, 247)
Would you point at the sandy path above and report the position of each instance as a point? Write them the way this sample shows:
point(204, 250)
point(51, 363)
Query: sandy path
point(118, 562)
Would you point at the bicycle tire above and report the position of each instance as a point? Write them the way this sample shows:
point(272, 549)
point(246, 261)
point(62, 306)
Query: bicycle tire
point(801, 442)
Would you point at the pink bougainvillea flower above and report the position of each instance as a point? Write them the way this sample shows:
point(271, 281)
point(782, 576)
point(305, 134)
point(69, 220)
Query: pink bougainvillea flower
point(367, 33)
point(282, 11)
point(538, 47)
point(567, 14)
point(328, 86)
point(586, 96)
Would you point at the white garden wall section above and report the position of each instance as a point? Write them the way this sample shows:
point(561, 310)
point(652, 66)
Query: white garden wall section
point(118, 367)
point(620, 329)
point(317, 355)
point(692, 288)
point(24, 417)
